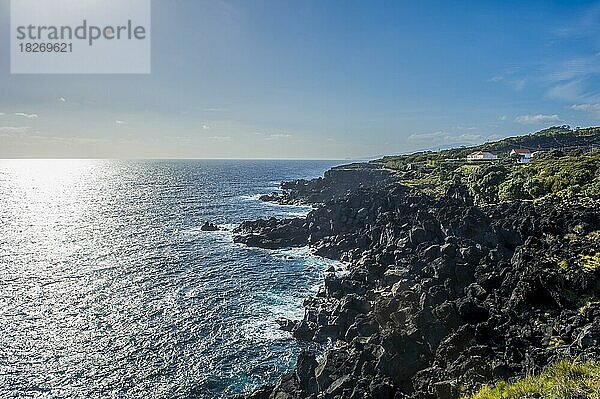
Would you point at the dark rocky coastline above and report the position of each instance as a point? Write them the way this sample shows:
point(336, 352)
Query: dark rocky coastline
point(440, 295)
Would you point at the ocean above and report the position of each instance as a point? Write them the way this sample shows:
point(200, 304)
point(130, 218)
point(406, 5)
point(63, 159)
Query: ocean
point(109, 288)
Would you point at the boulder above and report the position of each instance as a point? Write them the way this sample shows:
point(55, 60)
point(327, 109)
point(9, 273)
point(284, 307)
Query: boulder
point(208, 226)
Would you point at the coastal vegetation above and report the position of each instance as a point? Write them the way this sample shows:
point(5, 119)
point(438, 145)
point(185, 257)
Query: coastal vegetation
point(462, 276)
point(565, 379)
point(567, 162)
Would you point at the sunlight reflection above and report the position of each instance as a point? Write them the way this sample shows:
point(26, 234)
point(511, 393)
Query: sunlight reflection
point(41, 193)
point(47, 184)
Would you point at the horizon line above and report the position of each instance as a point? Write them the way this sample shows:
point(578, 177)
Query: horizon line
point(179, 159)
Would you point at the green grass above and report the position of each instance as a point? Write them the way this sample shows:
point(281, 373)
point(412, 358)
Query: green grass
point(553, 172)
point(563, 380)
point(594, 235)
point(563, 264)
point(590, 262)
point(466, 170)
point(587, 305)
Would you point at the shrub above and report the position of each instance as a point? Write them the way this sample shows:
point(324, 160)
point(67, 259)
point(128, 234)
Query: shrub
point(485, 181)
point(534, 187)
point(513, 189)
point(590, 262)
point(565, 379)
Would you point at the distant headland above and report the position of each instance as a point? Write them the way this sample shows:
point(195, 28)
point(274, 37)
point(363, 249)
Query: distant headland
point(470, 272)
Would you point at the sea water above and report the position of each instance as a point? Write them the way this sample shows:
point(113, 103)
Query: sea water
point(109, 288)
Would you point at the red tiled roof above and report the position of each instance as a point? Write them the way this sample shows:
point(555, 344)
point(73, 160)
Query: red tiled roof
point(522, 151)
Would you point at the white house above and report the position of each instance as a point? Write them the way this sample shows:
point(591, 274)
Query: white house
point(481, 156)
point(523, 154)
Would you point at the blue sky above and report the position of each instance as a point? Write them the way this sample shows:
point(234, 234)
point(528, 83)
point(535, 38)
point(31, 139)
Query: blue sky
point(317, 79)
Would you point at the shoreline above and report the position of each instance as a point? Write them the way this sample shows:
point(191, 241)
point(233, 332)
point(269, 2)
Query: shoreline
point(425, 278)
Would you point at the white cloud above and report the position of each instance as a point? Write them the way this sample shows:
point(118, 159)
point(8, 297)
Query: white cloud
point(512, 77)
point(278, 136)
point(537, 119)
point(575, 68)
point(570, 91)
point(572, 80)
point(494, 137)
point(24, 115)
point(427, 136)
point(591, 109)
point(221, 138)
point(440, 137)
point(585, 24)
point(13, 131)
point(518, 84)
point(182, 138)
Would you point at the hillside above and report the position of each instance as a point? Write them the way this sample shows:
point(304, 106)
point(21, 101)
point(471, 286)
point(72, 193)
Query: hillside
point(558, 137)
point(461, 278)
point(566, 163)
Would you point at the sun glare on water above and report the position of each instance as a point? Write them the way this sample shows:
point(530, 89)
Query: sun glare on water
point(47, 184)
point(38, 194)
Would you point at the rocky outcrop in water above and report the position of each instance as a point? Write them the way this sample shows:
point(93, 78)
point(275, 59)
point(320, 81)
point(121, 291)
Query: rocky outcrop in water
point(337, 183)
point(272, 233)
point(440, 296)
point(208, 226)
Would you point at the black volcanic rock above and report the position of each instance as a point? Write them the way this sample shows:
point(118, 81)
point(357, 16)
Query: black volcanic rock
point(208, 226)
point(439, 295)
point(336, 183)
point(272, 233)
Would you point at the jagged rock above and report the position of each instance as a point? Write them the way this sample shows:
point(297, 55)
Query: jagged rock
point(262, 393)
point(272, 234)
point(446, 390)
point(304, 331)
point(286, 324)
point(330, 368)
point(589, 336)
point(439, 295)
point(208, 226)
point(305, 372)
point(339, 386)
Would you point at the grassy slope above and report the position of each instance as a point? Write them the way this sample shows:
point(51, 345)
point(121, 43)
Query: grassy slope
point(565, 379)
point(569, 165)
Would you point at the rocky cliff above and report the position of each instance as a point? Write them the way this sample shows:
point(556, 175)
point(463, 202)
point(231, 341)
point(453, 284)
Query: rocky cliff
point(440, 295)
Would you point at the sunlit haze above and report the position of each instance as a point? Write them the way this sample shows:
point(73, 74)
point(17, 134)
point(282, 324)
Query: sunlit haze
point(313, 79)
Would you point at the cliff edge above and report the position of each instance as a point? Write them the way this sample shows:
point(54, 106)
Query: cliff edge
point(446, 289)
